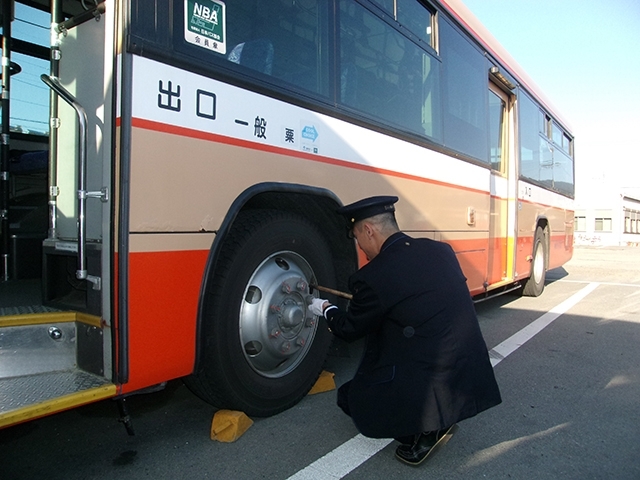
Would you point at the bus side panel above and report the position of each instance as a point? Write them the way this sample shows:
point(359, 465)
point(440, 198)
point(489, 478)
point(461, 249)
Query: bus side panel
point(535, 208)
point(163, 304)
point(561, 242)
point(472, 256)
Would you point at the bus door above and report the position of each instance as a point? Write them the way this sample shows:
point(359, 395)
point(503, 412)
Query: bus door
point(82, 167)
point(61, 356)
point(502, 209)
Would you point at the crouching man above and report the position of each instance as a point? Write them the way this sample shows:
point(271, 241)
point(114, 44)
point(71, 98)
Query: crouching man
point(425, 365)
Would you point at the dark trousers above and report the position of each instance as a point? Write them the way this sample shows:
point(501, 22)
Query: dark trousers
point(343, 398)
point(343, 403)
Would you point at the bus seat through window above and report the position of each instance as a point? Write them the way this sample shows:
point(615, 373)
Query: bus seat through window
point(255, 54)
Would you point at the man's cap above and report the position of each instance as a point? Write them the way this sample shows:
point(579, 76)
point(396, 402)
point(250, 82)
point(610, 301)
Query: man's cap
point(368, 207)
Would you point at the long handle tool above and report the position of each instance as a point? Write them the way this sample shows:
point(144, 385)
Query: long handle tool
point(338, 293)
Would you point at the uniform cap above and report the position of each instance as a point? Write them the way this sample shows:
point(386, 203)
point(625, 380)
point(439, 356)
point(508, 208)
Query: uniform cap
point(368, 207)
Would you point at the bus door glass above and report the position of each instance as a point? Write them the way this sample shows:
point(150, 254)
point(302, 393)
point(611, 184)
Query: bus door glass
point(499, 131)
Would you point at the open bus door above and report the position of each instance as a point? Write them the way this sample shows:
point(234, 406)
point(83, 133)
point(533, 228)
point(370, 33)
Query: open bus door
point(57, 354)
point(502, 222)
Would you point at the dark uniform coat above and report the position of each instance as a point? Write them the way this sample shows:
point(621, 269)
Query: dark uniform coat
point(425, 365)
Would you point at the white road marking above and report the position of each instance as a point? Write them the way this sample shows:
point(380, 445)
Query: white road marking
point(511, 344)
point(612, 284)
point(339, 462)
point(350, 455)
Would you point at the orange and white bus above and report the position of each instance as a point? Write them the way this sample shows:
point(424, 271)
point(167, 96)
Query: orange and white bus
point(199, 151)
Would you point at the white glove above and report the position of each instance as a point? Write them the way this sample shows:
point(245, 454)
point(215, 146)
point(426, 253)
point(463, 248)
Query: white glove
point(317, 305)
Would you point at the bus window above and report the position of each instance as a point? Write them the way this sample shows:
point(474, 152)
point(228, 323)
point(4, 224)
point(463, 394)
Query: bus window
point(545, 171)
point(563, 172)
point(566, 144)
point(411, 15)
point(543, 162)
point(556, 134)
point(497, 109)
point(284, 40)
point(531, 123)
point(386, 5)
point(385, 75)
point(543, 122)
point(464, 81)
point(417, 19)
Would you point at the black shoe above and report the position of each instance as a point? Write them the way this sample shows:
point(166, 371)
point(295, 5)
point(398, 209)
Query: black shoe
point(426, 444)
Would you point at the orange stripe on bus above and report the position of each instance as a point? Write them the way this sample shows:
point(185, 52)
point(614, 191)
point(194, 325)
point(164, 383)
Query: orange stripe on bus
point(163, 305)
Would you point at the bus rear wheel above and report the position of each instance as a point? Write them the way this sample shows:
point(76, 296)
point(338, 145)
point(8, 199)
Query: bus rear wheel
point(534, 285)
point(263, 350)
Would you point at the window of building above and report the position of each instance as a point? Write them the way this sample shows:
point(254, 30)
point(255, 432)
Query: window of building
point(603, 225)
point(581, 224)
point(631, 221)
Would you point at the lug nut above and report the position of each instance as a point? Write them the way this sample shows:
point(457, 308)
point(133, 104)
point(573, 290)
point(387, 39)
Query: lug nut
point(275, 308)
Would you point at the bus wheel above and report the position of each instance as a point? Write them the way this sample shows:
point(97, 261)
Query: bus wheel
point(263, 350)
point(534, 285)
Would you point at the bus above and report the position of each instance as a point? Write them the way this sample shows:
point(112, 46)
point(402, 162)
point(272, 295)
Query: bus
point(198, 151)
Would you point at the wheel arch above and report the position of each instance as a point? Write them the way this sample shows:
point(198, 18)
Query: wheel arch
point(316, 204)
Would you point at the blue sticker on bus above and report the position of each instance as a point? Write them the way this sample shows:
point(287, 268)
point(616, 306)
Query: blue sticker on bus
point(310, 133)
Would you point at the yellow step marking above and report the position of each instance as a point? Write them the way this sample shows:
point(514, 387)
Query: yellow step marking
point(51, 317)
point(56, 405)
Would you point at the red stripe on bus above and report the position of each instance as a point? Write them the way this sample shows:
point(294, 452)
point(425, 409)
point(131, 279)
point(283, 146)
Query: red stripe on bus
point(164, 290)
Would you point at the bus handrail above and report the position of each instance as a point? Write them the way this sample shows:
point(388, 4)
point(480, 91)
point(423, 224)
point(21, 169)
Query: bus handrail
point(83, 194)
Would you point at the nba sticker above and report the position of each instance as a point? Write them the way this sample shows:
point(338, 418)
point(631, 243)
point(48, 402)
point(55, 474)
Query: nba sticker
point(204, 24)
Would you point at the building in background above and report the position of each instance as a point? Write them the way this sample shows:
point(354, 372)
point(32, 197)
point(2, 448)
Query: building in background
point(608, 216)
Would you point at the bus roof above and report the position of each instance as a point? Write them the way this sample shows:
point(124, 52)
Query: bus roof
point(482, 35)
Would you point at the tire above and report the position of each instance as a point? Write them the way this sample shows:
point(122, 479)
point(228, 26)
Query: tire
point(534, 285)
point(263, 350)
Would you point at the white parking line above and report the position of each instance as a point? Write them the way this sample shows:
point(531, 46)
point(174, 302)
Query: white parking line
point(353, 453)
point(339, 462)
point(511, 344)
point(613, 284)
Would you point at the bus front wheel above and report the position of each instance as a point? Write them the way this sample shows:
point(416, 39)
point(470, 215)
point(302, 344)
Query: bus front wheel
point(534, 285)
point(263, 350)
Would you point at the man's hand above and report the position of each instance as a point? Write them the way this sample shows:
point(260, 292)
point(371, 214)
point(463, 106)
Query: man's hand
point(318, 305)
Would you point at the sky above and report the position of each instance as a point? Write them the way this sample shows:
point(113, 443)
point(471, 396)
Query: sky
point(585, 56)
point(29, 95)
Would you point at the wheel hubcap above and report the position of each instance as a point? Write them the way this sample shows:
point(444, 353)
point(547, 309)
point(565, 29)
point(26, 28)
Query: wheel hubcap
point(276, 328)
point(538, 263)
